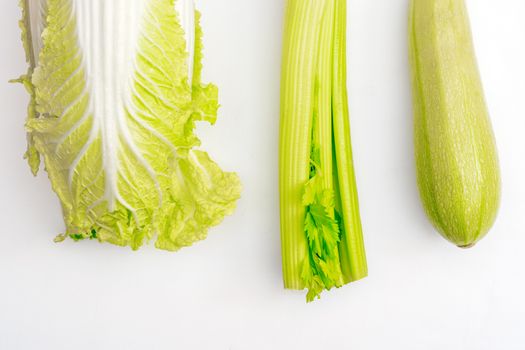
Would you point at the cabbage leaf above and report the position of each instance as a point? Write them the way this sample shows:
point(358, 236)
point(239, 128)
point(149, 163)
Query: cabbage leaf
point(115, 93)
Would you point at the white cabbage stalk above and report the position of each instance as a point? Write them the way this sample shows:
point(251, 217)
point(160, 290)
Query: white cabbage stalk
point(116, 91)
point(186, 10)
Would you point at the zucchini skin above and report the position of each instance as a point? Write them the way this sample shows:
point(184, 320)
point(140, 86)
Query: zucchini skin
point(456, 158)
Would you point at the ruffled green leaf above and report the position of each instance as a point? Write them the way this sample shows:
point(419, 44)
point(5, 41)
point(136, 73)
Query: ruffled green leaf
point(116, 113)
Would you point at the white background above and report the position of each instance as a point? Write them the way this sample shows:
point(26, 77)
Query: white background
point(226, 292)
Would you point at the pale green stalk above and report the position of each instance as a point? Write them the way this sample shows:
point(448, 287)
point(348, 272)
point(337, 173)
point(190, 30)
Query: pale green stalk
point(352, 248)
point(297, 101)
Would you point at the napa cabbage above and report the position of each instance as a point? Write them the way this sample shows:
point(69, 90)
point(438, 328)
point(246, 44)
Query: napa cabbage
point(115, 94)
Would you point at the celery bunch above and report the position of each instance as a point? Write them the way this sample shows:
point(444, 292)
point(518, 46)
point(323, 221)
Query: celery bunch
point(321, 235)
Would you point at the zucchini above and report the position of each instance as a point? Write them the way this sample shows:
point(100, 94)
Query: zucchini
point(456, 159)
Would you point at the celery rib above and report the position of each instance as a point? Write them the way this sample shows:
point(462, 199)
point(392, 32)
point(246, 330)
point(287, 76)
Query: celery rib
point(297, 96)
point(352, 246)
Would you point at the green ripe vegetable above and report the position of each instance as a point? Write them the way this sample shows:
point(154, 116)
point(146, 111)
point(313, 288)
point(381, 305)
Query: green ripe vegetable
point(456, 157)
point(116, 92)
point(321, 235)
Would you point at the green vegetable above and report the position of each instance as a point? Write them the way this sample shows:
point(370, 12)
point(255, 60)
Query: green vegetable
point(322, 243)
point(457, 163)
point(116, 91)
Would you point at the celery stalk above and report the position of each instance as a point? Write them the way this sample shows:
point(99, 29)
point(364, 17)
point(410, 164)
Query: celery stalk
point(321, 235)
point(352, 247)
